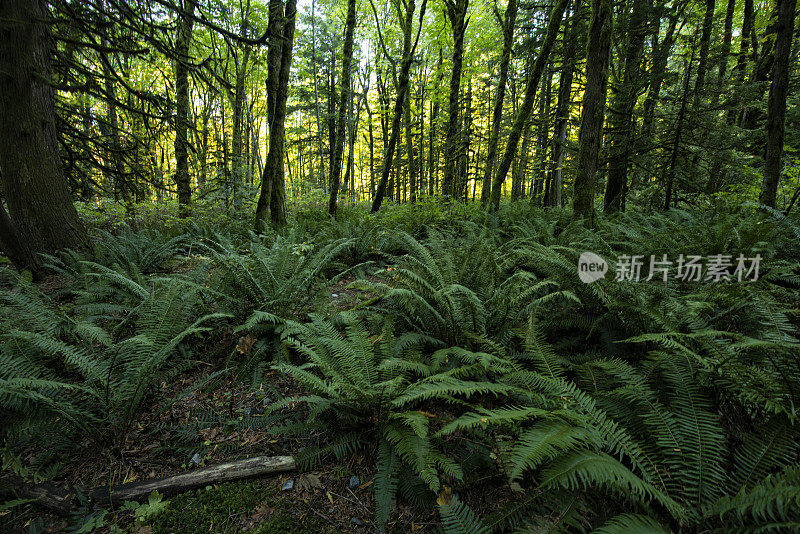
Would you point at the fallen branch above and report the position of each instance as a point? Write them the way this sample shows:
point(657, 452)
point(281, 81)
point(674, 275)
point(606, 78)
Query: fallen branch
point(62, 501)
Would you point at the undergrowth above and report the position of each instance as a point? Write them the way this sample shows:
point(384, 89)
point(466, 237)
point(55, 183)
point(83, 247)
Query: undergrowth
point(470, 353)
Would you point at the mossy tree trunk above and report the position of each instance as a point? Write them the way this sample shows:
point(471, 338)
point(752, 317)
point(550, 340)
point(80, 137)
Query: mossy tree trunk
point(776, 105)
point(592, 114)
point(182, 104)
point(622, 104)
point(344, 99)
point(508, 22)
point(272, 197)
point(41, 217)
point(456, 12)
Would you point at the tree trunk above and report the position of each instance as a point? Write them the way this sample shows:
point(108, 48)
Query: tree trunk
point(776, 105)
point(519, 170)
point(553, 193)
point(412, 168)
point(402, 89)
point(462, 176)
point(541, 138)
point(371, 148)
point(41, 217)
point(497, 113)
point(275, 27)
point(670, 172)
point(115, 168)
point(592, 114)
point(521, 118)
point(338, 150)
point(659, 67)
point(182, 105)
point(316, 95)
point(273, 190)
point(725, 50)
point(433, 156)
point(238, 138)
point(622, 104)
point(705, 43)
point(456, 12)
point(748, 21)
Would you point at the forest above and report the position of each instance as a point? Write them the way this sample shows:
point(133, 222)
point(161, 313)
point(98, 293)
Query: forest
point(436, 266)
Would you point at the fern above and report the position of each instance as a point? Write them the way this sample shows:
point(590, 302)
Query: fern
point(457, 518)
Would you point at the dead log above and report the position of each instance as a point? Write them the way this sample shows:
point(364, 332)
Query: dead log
point(46, 494)
point(62, 501)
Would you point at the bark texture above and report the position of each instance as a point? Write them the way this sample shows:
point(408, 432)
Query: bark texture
point(592, 114)
point(776, 105)
point(41, 217)
point(184, 38)
point(456, 12)
point(344, 99)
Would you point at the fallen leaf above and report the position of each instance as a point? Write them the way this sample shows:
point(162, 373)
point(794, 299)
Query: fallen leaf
point(245, 345)
point(262, 512)
point(445, 496)
point(309, 481)
point(209, 434)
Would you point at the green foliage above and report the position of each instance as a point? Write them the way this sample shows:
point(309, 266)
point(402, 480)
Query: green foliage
point(52, 365)
point(277, 280)
point(212, 509)
point(372, 389)
point(457, 518)
point(458, 290)
point(477, 359)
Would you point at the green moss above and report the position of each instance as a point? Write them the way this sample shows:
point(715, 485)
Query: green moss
point(220, 508)
point(213, 509)
point(283, 522)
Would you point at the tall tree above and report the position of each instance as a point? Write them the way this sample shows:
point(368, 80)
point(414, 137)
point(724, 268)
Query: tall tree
point(456, 13)
point(622, 104)
point(316, 92)
point(669, 172)
point(524, 112)
point(182, 105)
point(412, 167)
point(748, 23)
point(344, 99)
point(409, 47)
point(433, 155)
point(272, 197)
point(552, 194)
point(239, 138)
point(41, 217)
point(592, 114)
point(507, 22)
point(776, 105)
point(705, 44)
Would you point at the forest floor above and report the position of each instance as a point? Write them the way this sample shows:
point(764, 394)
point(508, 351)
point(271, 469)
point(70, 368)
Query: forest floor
point(220, 423)
point(425, 376)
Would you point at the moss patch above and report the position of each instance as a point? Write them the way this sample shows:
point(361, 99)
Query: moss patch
point(212, 509)
point(221, 508)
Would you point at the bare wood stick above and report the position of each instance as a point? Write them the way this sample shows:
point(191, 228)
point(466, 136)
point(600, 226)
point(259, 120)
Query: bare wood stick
point(215, 474)
point(61, 501)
